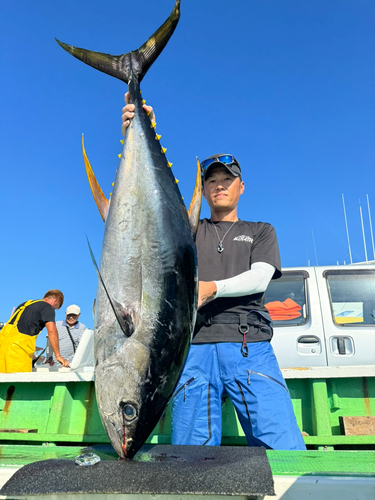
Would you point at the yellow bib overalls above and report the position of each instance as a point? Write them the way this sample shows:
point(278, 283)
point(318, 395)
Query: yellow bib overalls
point(16, 349)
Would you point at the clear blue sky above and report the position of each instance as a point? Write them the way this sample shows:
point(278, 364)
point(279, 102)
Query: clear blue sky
point(286, 86)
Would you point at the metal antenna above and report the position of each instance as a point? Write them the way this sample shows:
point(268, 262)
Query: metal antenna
point(363, 230)
point(347, 230)
point(372, 235)
point(316, 257)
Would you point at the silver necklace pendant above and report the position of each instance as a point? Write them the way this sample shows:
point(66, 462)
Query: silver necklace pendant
point(220, 248)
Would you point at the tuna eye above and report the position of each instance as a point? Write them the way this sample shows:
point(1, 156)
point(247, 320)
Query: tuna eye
point(129, 411)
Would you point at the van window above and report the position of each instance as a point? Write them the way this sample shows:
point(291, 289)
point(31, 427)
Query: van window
point(285, 299)
point(352, 297)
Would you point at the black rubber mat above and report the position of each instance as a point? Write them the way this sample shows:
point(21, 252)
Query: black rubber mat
point(159, 469)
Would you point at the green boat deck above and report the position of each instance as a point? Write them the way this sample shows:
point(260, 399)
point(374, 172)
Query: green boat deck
point(54, 415)
point(61, 407)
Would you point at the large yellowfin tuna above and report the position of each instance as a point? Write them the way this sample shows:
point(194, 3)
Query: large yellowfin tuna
point(147, 293)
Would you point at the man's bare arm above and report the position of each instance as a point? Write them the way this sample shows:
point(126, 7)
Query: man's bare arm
point(53, 338)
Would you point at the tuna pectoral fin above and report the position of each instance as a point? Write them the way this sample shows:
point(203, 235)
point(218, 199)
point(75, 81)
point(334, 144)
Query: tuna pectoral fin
point(100, 200)
point(137, 62)
point(123, 316)
point(196, 201)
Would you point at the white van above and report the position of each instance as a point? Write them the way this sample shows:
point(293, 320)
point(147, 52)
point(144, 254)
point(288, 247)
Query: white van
point(323, 316)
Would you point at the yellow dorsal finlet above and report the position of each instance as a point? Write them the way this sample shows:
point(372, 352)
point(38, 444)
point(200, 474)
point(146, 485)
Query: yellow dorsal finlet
point(157, 137)
point(170, 164)
point(153, 124)
point(163, 150)
point(176, 181)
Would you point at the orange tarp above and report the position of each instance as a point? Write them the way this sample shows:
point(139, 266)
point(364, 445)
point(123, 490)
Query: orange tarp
point(283, 310)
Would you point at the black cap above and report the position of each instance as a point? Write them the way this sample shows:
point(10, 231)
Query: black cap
point(233, 167)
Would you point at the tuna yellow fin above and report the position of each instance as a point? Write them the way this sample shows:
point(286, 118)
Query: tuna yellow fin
point(100, 200)
point(196, 201)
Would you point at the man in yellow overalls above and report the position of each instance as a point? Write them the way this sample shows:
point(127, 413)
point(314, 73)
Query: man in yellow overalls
point(18, 336)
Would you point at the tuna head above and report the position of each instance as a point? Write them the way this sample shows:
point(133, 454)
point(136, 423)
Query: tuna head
point(133, 387)
point(120, 382)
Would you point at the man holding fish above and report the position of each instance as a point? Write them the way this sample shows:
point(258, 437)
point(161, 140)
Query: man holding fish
point(231, 354)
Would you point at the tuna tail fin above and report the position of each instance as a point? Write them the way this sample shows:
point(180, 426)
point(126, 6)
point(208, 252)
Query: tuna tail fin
point(196, 201)
point(123, 317)
point(100, 200)
point(137, 62)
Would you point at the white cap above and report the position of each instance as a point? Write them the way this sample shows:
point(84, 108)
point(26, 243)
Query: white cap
point(73, 309)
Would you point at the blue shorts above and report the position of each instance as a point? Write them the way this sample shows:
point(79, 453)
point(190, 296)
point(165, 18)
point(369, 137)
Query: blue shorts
point(255, 386)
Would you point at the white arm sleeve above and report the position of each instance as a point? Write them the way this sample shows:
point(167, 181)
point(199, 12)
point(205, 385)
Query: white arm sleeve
point(253, 281)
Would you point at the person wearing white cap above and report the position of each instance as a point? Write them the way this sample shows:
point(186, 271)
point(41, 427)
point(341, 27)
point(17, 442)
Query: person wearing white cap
point(70, 332)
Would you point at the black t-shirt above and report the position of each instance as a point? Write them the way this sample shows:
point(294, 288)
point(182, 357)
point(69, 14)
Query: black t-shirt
point(34, 317)
point(244, 244)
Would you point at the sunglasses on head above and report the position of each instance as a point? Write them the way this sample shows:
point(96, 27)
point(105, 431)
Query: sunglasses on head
point(225, 159)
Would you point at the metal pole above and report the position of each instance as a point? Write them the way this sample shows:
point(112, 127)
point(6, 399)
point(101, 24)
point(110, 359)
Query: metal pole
point(372, 236)
point(316, 257)
point(307, 255)
point(347, 230)
point(363, 230)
